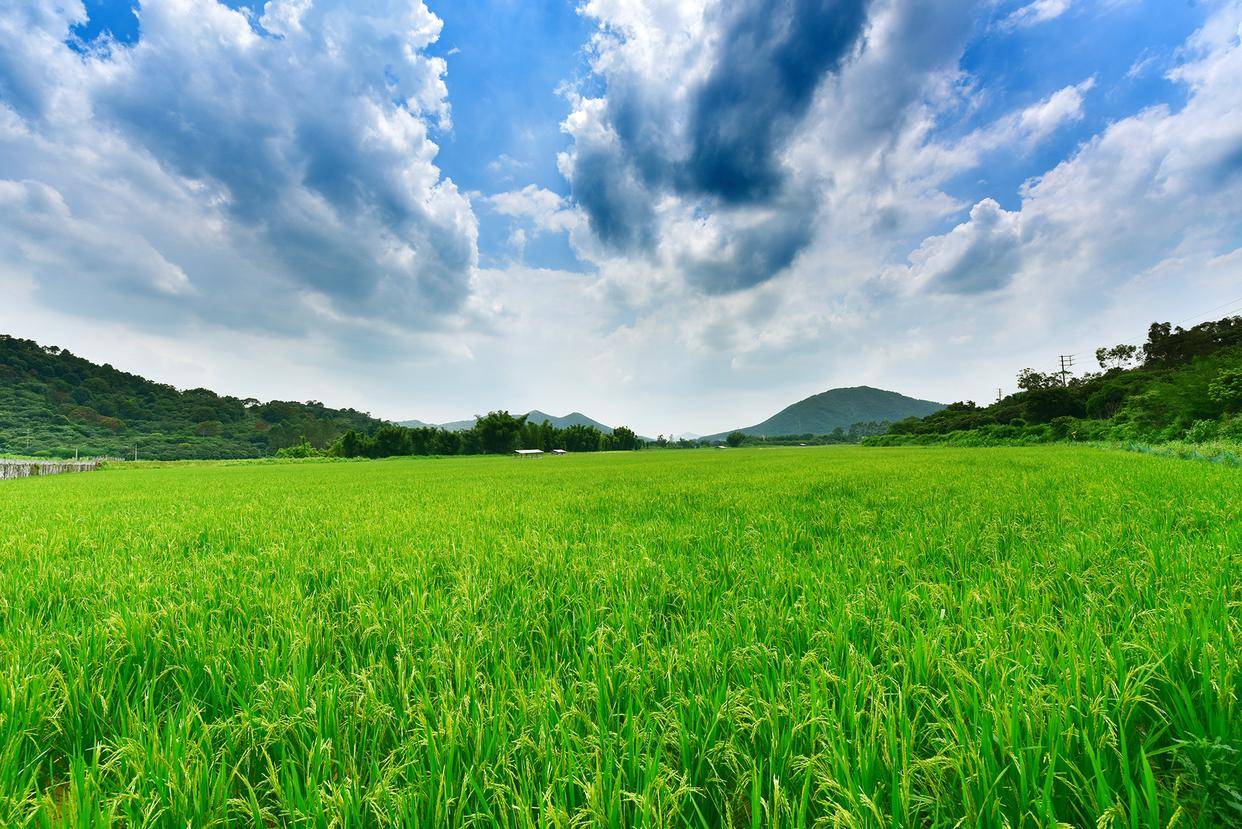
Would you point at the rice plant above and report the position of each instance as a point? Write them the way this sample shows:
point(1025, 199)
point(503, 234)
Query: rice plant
point(783, 637)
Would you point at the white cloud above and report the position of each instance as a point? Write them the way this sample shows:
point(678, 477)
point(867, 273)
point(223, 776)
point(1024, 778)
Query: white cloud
point(258, 163)
point(546, 211)
point(979, 255)
point(1039, 11)
point(287, 188)
point(48, 240)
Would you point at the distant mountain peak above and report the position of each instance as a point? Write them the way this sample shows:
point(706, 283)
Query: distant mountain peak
point(821, 413)
point(533, 416)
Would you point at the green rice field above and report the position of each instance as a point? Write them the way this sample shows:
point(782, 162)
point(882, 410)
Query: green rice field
point(794, 637)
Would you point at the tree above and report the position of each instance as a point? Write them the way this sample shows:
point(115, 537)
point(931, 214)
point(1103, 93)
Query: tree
point(624, 438)
point(1031, 380)
point(499, 432)
point(350, 445)
point(1226, 389)
point(390, 441)
point(582, 438)
point(735, 439)
point(1044, 404)
point(1119, 356)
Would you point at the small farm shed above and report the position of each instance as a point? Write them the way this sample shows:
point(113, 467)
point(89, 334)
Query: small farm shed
point(559, 452)
point(528, 453)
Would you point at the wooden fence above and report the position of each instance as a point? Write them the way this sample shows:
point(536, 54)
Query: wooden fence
point(29, 469)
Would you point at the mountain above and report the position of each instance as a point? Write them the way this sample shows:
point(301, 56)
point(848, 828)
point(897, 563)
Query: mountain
point(821, 413)
point(571, 419)
point(53, 404)
point(533, 416)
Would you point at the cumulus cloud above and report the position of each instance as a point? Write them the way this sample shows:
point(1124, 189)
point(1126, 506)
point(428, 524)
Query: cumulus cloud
point(979, 255)
point(836, 224)
point(1161, 186)
point(898, 277)
point(545, 210)
point(48, 240)
point(699, 106)
point(287, 161)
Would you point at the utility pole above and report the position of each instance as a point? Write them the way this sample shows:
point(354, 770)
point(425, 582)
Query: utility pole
point(135, 451)
point(1067, 362)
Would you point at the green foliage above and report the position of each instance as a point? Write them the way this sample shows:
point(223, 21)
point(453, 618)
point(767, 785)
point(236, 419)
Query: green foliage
point(496, 433)
point(299, 450)
point(625, 439)
point(735, 439)
point(793, 638)
point(1119, 356)
point(53, 404)
point(1189, 383)
point(1226, 389)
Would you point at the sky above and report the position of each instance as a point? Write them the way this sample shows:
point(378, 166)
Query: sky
point(677, 215)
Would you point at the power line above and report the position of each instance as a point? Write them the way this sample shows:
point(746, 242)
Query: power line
point(1237, 302)
point(1210, 310)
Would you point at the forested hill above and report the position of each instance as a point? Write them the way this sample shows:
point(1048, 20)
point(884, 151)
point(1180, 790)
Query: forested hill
point(1181, 385)
point(820, 414)
point(53, 403)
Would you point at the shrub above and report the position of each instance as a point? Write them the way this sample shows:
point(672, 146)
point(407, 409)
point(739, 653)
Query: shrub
point(299, 450)
point(1202, 431)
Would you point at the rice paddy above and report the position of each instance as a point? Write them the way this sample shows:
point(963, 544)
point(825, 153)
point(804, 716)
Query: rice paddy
point(778, 637)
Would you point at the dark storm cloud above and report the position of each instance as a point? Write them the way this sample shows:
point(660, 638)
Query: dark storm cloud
point(773, 56)
point(754, 253)
point(722, 146)
point(619, 209)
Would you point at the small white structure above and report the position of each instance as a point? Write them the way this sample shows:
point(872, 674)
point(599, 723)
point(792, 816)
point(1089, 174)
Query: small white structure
point(559, 452)
point(528, 453)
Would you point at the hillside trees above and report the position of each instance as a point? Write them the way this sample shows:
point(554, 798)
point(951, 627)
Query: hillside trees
point(1181, 384)
point(493, 433)
point(53, 404)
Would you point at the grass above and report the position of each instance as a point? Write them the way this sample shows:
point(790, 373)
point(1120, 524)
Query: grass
point(783, 637)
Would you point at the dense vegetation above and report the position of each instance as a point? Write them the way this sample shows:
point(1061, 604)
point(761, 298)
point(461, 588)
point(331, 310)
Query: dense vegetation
point(788, 637)
point(492, 434)
point(1181, 385)
point(824, 413)
point(854, 434)
point(533, 416)
point(53, 404)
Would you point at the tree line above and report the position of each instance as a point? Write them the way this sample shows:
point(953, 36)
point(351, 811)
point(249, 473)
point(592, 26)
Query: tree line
point(496, 433)
point(55, 404)
point(1181, 384)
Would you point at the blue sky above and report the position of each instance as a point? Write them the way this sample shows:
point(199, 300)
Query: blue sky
point(678, 214)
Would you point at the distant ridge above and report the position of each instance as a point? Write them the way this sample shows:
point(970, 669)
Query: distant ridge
point(819, 414)
point(533, 416)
